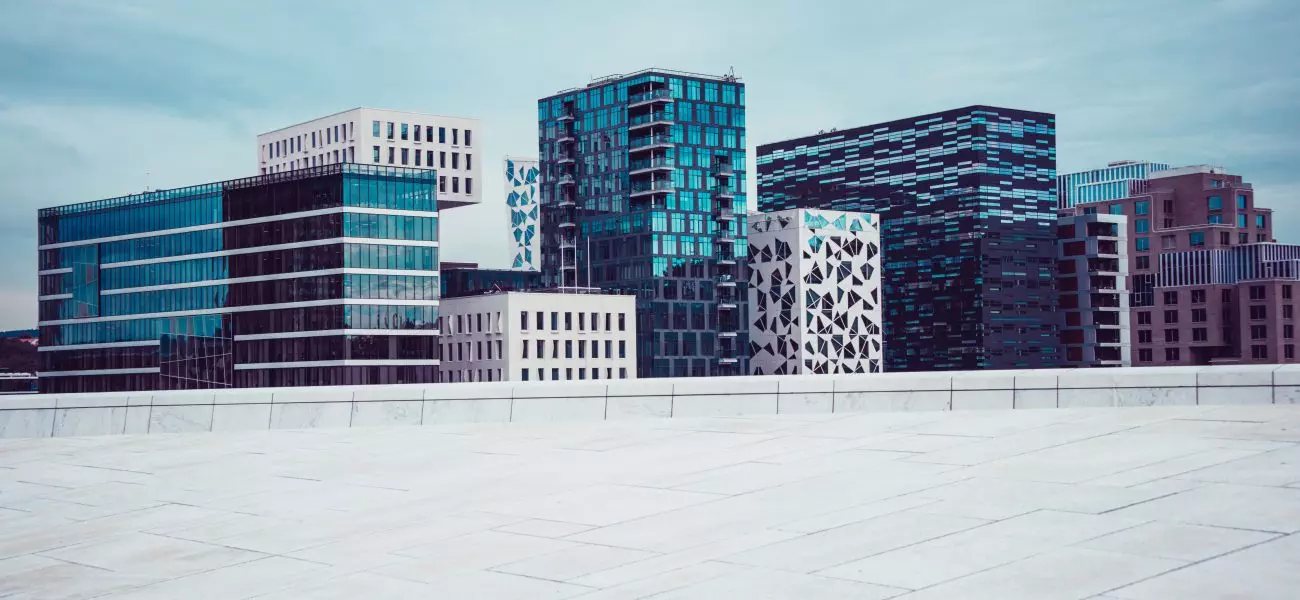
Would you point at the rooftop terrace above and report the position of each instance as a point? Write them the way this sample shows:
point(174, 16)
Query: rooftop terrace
point(1134, 503)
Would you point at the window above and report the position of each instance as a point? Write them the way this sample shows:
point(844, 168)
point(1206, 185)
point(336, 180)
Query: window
point(1196, 238)
point(1198, 296)
point(374, 126)
point(1168, 242)
point(469, 161)
point(1243, 238)
point(442, 135)
point(1199, 315)
point(541, 350)
point(390, 130)
point(582, 321)
point(469, 185)
point(455, 185)
point(582, 349)
point(1215, 202)
point(1256, 292)
point(1259, 352)
point(1258, 313)
point(1144, 317)
point(540, 322)
point(622, 324)
point(468, 142)
point(1171, 335)
point(523, 373)
point(1117, 209)
point(1288, 351)
point(416, 133)
point(555, 321)
point(1171, 298)
point(607, 321)
point(1259, 221)
point(1142, 225)
point(622, 348)
point(1142, 244)
point(1141, 207)
point(376, 153)
point(1200, 334)
point(442, 183)
point(622, 372)
point(1286, 311)
point(568, 348)
point(568, 374)
point(455, 160)
point(1216, 219)
point(428, 158)
point(1144, 355)
point(1258, 332)
point(417, 158)
point(1241, 201)
point(608, 353)
point(442, 160)
point(525, 354)
point(1171, 354)
point(455, 137)
point(391, 153)
point(555, 348)
point(1288, 331)
point(582, 373)
point(428, 137)
point(405, 132)
point(1144, 336)
point(523, 320)
point(555, 374)
point(1225, 238)
point(1241, 221)
point(405, 156)
point(1286, 291)
point(1171, 316)
point(1144, 262)
point(478, 322)
point(568, 321)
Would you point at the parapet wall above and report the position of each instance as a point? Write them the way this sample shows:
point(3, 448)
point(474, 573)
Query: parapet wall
point(61, 415)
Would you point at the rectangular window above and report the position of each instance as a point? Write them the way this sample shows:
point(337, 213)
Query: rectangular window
point(1142, 225)
point(1199, 315)
point(455, 137)
point(1288, 351)
point(555, 374)
point(428, 157)
point(1142, 244)
point(622, 322)
point(1198, 296)
point(523, 373)
point(455, 185)
point(469, 161)
point(1144, 317)
point(622, 348)
point(469, 139)
point(568, 374)
point(1288, 331)
point(540, 322)
point(442, 160)
point(1215, 202)
point(523, 320)
point(416, 133)
point(541, 348)
point(1241, 202)
point(442, 135)
point(1200, 334)
point(582, 349)
point(442, 183)
point(390, 130)
point(1171, 354)
point(428, 137)
point(582, 321)
point(455, 160)
point(1256, 292)
point(376, 153)
point(1259, 352)
point(1259, 221)
point(555, 348)
point(375, 128)
point(568, 321)
point(405, 132)
point(1117, 209)
point(1171, 298)
point(525, 354)
point(1144, 262)
point(405, 156)
point(1258, 313)
point(622, 372)
point(1196, 238)
point(1144, 336)
point(1171, 316)
point(1258, 332)
point(417, 158)
point(555, 321)
point(1216, 219)
point(469, 185)
point(1241, 221)
point(1286, 291)
point(1287, 311)
point(1141, 207)
point(1144, 355)
point(1171, 335)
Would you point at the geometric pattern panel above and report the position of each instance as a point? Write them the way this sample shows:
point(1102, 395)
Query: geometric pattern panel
point(521, 197)
point(814, 289)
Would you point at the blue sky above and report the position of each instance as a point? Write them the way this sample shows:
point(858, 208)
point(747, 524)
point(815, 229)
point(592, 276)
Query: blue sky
point(103, 98)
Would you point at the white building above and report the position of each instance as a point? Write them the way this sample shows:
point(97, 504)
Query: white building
point(522, 175)
point(814, 293)
point(383, 137)
point(1092, 279)
point(538, 336)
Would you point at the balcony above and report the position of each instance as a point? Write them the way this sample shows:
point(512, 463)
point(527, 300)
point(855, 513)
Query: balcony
point(646, 188)
point(565, 135)
point(725, 237)
point(726, 258)
point(651, 97)
point(649, 142)
point(566, 114)
point(653, 119)
point(567, 180)
point(723, 214)
point(566, 158)
point(725, 281)
point(722, 169)
point(722, 191)
point(660, 163)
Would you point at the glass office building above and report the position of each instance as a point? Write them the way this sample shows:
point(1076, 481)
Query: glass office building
point(320, 276)
point(643, 191)
point(1120, 179)
point(465, 280)
point(967, 199)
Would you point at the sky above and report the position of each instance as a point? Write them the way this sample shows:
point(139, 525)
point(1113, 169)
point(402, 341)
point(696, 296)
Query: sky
point(106, 98)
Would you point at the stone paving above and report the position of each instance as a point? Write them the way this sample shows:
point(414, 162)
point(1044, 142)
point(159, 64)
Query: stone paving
point(1131, 503)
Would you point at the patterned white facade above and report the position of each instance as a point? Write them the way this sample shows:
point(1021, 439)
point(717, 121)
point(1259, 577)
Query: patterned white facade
point(814, 293)
point(522, 175)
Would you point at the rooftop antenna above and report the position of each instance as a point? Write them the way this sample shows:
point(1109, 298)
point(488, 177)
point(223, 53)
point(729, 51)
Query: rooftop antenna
point(146, 182)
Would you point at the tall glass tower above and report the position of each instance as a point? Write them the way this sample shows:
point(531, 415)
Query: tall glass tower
point(643, 179)
point(967, 201)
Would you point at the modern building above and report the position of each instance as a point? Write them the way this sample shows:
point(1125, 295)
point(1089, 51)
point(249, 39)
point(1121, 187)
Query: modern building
point(1092, 279)
point(556, 335)
point(383, 137)
point(643, 191)
point(521, 197)
point(967, 203)
point(16, 383)
point(1119, 179)
point(814, 293)
point(1180, 212)
point(461, 279)
point(316, 276)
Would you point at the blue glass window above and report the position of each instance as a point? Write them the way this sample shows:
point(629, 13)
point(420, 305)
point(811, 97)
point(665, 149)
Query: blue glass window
point(1241, 201)
point(1117, 209)
point(1142, 225)
point(1141, 207)
point(1260, 221)
point(1196, 238)
point(1142, 244)
point(1241, 220)
point(1215, 202)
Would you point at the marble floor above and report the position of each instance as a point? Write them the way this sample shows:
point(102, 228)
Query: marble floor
point(1130, 503)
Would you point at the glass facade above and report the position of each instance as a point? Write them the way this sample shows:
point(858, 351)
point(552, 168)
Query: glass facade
point(1118, 180)
point(457, 282)
point(643, 191)
point(967, 200)
point(264, 286)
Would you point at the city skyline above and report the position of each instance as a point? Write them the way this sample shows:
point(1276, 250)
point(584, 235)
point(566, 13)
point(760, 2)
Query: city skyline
point(83, 95)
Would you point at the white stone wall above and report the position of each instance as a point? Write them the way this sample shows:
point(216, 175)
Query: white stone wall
point(814, 293)
point(449, 403)
point(567, 348)
point(361, 141)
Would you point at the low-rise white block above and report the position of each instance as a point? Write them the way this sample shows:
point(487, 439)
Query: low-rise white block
point(1154, 396)
point(311, 415)
point(185, 398)
point(1129, 378)
point(451, 412)
point(805, 403)
point(180, 419)
point(724, 405)
point(312, 394)
point(893, 382)
point(241, 417)
point(1236, 375)
point(984, 380)
point(28, 401)
point(90, 400)
point(24, 423)
point(710, 386)
point(371, 393)
point(803, 384)
point(892, 401)
point(89, 421)
point(244, 396)
point(547, 410)
point(392, 412)
point(1040, 379)
point(1286, 394)
point(638, 407)
point(1286, 375)
point(638, 387)
point(1236, 395)
point(469, 390)
point(559, 389)
point(137, 420)
point(139, 400)
point(974, 399)
point(1035, 398)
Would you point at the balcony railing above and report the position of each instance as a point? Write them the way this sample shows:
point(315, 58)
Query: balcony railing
point(654, 118)
point(650, 187)
point(649, 140)
point(725, 280)
point(566, 180)
point(663, 162)
point(722, 191)
point(660, 95)
point(722, 169)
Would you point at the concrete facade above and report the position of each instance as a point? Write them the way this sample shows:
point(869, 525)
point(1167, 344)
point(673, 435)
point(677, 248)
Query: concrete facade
point(539, 336)
point(1093, 284)
point(384, 137)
